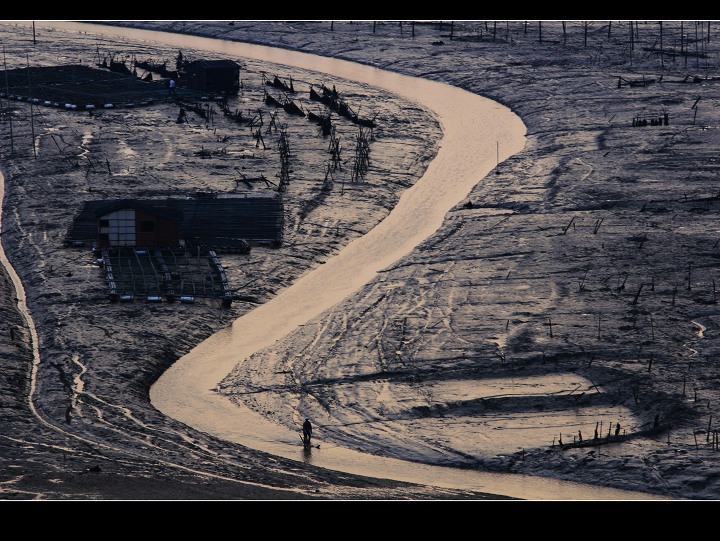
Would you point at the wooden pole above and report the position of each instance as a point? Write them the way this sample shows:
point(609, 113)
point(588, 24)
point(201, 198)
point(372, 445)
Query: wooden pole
point(7, 90)
point(652, 333)
point(34, 42)
point(609, 28)
point(585, 24)
point(497, 157)
point(682, 37)
point(637, 295)
point(32, 120)
point(564, 34)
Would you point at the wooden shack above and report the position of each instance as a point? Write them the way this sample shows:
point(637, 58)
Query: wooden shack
point(213, 76)
point(222, 222)
point(132, 223)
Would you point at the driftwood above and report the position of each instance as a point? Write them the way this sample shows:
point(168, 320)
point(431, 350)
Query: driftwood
point(287, 104)
point(269, 100)
point(277, 83)
point(291, 108)
point(149, 65)
point(595, 442)
point(248, 181)
point(119, 67)
point(638, 82)
point(674, 52)
point(323, 121)
point(331, 98)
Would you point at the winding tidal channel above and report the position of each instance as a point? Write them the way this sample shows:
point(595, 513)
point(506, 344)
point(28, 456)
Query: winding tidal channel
point(476, 132)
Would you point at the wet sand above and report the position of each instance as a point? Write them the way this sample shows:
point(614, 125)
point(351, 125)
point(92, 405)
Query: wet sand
point(92, 419)
point(188, 391)
point(591, 228)
point(548, 273)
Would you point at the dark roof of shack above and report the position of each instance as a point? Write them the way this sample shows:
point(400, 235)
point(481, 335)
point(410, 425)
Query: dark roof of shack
point(205, 220)
point(101, 208)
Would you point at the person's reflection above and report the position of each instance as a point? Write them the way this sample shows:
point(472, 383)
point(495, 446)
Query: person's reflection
point(307, 454)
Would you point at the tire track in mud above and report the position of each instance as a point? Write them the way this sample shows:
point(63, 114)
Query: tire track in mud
point(136, 430)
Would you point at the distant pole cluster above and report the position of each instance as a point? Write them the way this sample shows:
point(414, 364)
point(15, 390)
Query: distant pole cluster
point(361, 162)
point(334, 148)
point(284, 147)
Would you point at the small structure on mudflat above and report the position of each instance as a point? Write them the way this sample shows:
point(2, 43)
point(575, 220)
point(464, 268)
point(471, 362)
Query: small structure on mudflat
point(166, 249)
point(84, 88)
point(135, 223)
point(223, 222)
point(213, 76)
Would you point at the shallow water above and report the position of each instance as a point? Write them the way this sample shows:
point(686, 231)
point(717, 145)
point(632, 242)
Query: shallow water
point(472, 429)
point(474, 129)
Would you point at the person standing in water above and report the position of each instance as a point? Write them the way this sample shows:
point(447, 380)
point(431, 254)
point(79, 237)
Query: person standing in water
point(307, 432)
